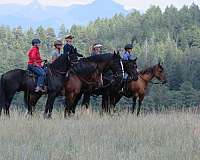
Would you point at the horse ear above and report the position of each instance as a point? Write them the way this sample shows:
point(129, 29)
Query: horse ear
point(159, 61)
point(114, 52)
point(118, 53)
point(135, 59)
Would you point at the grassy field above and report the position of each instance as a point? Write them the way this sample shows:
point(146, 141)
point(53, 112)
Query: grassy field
point(164, 136)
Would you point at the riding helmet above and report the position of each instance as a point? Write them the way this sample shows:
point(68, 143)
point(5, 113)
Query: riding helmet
point(58, 42)
point(35, 41)
point(128, 46)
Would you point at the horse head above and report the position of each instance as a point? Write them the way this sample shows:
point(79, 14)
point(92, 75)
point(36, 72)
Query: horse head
point(159, 73)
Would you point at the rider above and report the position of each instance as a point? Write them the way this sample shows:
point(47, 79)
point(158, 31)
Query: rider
point(130, 57)
point(96, 49)
point(35, 64)
point(57, 52)
point(71, 50)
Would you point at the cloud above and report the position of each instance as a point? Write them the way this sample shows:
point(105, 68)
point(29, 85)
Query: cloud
point(145, 4)
point(48, 2)
point(128, 4)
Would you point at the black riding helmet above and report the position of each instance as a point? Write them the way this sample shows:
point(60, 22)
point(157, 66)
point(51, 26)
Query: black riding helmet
point(128, 46)
point(35, 41)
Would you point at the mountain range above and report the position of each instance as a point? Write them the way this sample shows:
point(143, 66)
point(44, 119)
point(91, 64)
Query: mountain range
point(35, 14)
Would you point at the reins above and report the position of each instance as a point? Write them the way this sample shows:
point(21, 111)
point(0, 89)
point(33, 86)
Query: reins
point(150, 81)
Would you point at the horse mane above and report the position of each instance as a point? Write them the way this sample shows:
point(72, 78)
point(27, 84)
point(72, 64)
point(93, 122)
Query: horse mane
point(148, 70)
point(100, 57)
point(62, 63)
point(83, 68)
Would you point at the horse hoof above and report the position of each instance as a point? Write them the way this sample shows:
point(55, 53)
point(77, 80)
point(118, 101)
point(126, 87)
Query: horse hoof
point(28, 115)
point(46, 116)
point(49, 116)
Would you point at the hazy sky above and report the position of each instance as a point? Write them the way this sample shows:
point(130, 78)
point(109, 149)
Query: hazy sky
point(128, 4)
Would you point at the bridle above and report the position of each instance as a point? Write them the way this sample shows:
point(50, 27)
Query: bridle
point(161, 83)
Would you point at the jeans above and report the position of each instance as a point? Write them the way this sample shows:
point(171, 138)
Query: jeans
point(39, 71)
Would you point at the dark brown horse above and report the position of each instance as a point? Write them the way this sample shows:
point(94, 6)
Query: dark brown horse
point(87, 79)
point(137, 89)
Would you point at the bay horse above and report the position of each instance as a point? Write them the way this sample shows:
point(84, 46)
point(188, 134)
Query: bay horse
point(81, 77)
point(137, 89)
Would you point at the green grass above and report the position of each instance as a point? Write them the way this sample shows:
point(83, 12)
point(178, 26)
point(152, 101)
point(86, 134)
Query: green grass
point(164, 136)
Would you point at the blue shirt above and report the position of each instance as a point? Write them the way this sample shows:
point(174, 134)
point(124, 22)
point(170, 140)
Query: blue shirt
point(129, 56)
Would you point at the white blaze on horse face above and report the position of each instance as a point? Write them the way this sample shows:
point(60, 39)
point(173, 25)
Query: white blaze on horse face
point(122, 67)
point(101, 79)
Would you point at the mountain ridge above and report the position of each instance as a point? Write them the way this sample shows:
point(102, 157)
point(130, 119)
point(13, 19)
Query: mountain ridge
point(35, 14)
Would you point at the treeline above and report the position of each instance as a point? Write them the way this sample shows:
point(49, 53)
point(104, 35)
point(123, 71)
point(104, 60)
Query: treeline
point(172, 36)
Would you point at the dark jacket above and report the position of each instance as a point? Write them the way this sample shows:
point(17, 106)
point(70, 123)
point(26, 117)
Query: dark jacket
point(72, 51)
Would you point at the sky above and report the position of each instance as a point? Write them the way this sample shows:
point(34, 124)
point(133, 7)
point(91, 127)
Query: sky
point(128, 4)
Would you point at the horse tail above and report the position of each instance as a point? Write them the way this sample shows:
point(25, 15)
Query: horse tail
point(2, 93)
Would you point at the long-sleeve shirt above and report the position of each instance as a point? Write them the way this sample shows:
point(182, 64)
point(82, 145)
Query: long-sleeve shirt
point(55, 55)
point(129, 56)
point(72, 51)
point(34, 57)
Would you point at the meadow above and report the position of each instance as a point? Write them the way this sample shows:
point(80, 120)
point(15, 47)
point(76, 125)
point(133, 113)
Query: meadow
point(168, 135)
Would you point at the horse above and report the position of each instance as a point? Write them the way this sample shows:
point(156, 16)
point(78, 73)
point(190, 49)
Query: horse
point(108, 62)
point(137, 89)
point(104, 62)
point(108, 90)
point(78, 79)
point(19, 80)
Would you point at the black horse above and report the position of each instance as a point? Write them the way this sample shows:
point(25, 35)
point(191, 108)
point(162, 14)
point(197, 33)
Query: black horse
point(19, 80)
point(108, 91)
point(112, 82)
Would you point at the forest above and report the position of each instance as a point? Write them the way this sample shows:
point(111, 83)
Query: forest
point(172, 36)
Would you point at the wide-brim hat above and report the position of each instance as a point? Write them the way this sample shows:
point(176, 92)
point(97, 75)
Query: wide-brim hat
point(69, 36)
point(97, 45)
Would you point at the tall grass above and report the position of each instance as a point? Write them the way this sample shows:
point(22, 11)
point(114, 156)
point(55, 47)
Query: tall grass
point(164, 136)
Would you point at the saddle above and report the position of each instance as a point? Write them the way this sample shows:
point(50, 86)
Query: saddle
point(32, 80)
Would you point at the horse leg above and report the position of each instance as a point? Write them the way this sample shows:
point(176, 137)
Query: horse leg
point(104, 103)
point(69, 104)
point(49, 105)
point(7, 104)
point(32, 100)
point(86, 100)
point(27, 102)
point(134, 103)
point(109, 104)
point(77, 98)
point(139, 104)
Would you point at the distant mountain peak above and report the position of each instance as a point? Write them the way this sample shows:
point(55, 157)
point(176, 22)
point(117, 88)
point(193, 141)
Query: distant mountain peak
point(36, 5)
point(36, 14)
